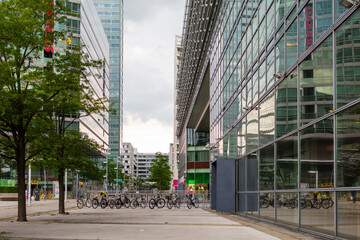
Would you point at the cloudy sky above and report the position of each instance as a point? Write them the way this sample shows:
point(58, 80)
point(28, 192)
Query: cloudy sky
point(150, 27)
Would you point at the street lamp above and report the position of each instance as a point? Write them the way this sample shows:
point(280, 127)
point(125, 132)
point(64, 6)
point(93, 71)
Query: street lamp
point(107, 170)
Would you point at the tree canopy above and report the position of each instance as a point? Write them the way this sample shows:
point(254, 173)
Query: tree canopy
point(160, 172)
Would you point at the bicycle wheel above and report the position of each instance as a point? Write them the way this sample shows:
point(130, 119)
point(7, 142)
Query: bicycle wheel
point(103, 203)
point(112, 203)
point(88, 203)
point(161, 203)
point(308, 204)
point(118, 203)
point(152, 203)
point(80, 204)
point(178, 203)
point(196, 202)
point(264, 203)
point(95, 203)
point(127, 203)
point(189, 204)
point(143, 203)
point(317, 204)
point(134, 204)
point(170, 204)
point(325, 203)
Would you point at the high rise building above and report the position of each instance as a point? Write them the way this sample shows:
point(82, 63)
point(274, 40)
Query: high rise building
point(111, 15)
point(284, 108)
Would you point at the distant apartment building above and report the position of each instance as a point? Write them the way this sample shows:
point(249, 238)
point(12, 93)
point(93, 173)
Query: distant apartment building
point(144, 163)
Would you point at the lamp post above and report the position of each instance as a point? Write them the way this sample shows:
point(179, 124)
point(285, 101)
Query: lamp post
point(107, 170)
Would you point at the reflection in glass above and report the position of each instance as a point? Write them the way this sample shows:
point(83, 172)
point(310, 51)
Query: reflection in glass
point(287, 210)
point(316, 83)
point(252, 136)
point(252, 172)
point(267, 206)
point(287, 163)
point(267, 119)
point(241, 127)
point(262, 79)
point(315, 215)
point(306, 25)
point(348, 147)
point(279, 11)
point(291, 45)
point(270, 65)
point(323, 15)
point(280, 56)
point(347, 60)
point(348, 214)
point(286, 105)
point(317, 165)
point(266, 168)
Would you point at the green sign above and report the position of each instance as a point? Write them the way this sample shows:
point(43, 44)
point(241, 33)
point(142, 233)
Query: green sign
point(118, 180)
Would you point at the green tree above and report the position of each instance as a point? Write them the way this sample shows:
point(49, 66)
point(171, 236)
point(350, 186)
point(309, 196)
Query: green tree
point(23, 91)
point(67, 148)
point(160, 172)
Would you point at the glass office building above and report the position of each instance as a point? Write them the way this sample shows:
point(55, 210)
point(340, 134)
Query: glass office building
point(285, 112)
point(111, 15)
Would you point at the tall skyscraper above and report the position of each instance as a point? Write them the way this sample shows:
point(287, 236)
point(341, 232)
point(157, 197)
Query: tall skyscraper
point(111, 15)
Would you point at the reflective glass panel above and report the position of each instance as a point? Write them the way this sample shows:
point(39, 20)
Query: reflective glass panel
point(252, 172)
point(306, 32)
point(270, 65)
point(348, 147)
point(267, 203)
point(252, 136)
point(348, 214)
point(347, 60)
point(287, 210)
point(287, 163)
point(291, 45)
point(280, 56)
point(323, 15)
point(266, 168)
point(317, 146)
point(316, 83)
point(286, 105)
point(267, 119)
point(316, 214)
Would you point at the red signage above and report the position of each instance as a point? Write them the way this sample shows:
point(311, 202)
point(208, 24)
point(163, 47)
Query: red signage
point(49, 25)
point(309, 25)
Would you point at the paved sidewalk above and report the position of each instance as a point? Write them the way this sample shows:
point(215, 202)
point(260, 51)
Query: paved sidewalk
point(87, 223)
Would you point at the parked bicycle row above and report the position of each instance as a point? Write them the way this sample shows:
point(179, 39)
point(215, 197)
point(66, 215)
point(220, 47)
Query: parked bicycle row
point(291, 203)
point(123, 200)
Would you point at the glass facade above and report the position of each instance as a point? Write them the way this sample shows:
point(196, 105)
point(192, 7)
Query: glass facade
point(111, 15)
point(285, 76)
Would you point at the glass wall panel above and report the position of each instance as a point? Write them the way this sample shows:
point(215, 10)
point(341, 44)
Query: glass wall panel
point(348, 214)
point(242, 137)
point(252, 205)
point(266, 203)
point(270, 23)
point(314, 216)
point(306, 27)
point(266, 168)
point(262, 79)
point(286, 105)
point(280, 9)
point(323, 15)
point(348, 147)
point(339, 10)
point(252, 136)
point(287, 163)
point(252, 172)
point(255, 83)
point(291, 45)
point(316, 83)
point(287, 210)
point(280, 56)
point(317, 146)
point(347, 60)
point(270, 69)
point(267, 119)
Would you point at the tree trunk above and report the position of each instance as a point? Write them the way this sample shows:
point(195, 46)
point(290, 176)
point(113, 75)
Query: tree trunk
point(61, 191)
point(20, 158)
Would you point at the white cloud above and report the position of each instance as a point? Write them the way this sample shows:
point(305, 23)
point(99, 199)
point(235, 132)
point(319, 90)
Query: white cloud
point(149, 40)
point(149, 136)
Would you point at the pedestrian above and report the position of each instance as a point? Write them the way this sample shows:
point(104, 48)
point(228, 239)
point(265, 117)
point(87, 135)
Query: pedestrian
point(353, 196)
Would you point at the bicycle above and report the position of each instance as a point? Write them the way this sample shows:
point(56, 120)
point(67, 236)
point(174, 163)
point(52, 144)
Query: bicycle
point(171, 202)
point(192, 201)
point(159, 202)
point(125, 200)
point(102, 202)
